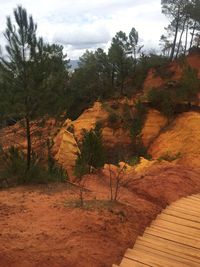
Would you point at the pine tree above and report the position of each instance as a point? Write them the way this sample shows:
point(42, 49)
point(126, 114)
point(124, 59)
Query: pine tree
point(34, 74)
point(118, 57)
point(92, 152)
point(190, 85)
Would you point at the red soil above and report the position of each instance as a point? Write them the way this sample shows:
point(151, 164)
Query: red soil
point(38, 229)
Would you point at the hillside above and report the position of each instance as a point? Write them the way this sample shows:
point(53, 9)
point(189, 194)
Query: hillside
point(172, 72)
point(46, 225)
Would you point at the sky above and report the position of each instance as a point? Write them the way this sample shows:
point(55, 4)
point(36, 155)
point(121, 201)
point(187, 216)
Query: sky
point(88, 24)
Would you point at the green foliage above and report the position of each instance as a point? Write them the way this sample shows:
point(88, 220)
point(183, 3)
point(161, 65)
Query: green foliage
point(138, 121)
point(55, 171)
point(184, 24)
point(90, 82)
point(114, 115)
point(144, 63)
point(92, 153)
point(189, 85)
point(134, 160)
point(135, 126)
point(164, 100)
point(14, 169)
point(34, 75)
point(119, 59)
point(139, 149)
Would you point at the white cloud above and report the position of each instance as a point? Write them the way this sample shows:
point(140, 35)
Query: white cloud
point(79, 24)
point(88, 35)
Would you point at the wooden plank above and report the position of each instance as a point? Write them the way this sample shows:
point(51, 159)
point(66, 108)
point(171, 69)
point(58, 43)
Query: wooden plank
point(194, 198)
point(153, 259)
point(179, 247)
point(166, 254)
point(188, 211)
point(181, 215)
point(173, 237)
point(195, 195)
point(170, 248)
point(172, 240)
point(189, 203)
point(186, 207)
point(180, 221)
point(174, 226)
point(179, 228)
point(175, 232)
point(134, 263)
point(191, 200)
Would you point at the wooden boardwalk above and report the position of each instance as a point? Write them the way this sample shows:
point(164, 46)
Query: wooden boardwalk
point(172, 240)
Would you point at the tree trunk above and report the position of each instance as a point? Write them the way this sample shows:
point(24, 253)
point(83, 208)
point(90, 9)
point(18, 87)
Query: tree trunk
point(28, 138)
point(112, 77)
point(186, 37)
point(194, 28)
point(175, 36)
point(180, 39)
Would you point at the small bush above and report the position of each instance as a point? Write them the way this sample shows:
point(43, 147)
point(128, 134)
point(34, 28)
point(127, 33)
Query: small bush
point(138, 121)
point(164, 100)
point(164, 72)
point(189, 85)
point(92, 152)
point(134, 161)
point(139, 149)
point(81, 167)
point(15, 169)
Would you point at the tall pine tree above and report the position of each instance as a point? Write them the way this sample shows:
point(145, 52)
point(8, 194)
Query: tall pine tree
point(34, 74)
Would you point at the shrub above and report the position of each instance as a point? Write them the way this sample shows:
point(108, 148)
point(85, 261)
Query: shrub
point(15, 169)
point(55, 171)
point(134, 161)
point(190, 85)
point(14, 165)
point(92, 153)
point(138, 121)
point(164, 100)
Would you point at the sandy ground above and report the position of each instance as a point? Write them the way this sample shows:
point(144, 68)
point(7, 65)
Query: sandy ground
point(40, 225)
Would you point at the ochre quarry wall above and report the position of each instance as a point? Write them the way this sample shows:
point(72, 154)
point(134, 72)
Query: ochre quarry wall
point(181, 137)
point(154, 80)
point(66, 142)
point(154, 123)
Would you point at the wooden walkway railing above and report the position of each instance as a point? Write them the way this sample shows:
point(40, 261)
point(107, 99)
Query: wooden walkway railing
point(172, 240)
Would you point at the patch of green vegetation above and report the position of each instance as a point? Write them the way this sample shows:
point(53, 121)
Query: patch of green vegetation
point(92, 153)
point(134, 161)
point(15, 172)
point(164, 100)
point(114, 207)
point(163, 71)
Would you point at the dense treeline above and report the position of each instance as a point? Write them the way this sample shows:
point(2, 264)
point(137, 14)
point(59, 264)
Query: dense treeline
point(35, 81)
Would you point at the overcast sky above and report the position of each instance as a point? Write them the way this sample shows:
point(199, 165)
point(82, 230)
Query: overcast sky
point(88, 24)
